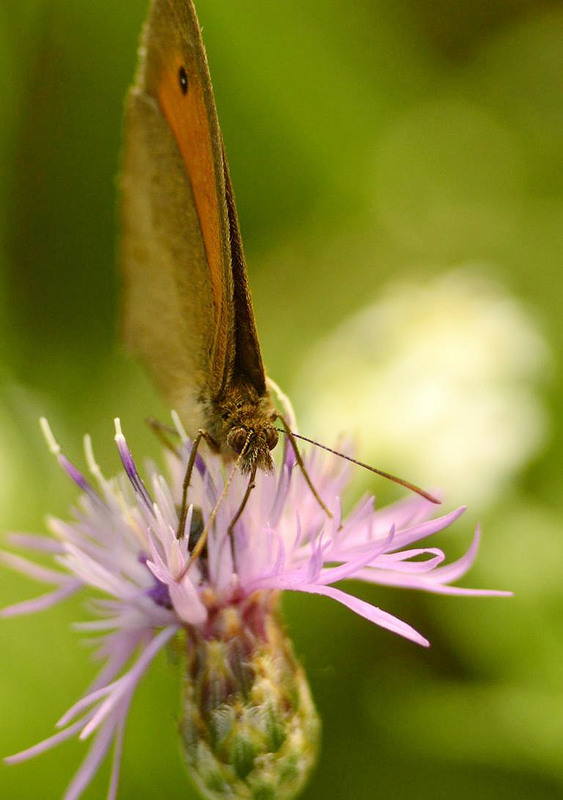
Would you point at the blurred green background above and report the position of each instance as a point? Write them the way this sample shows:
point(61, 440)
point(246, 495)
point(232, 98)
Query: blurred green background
point(369, 141)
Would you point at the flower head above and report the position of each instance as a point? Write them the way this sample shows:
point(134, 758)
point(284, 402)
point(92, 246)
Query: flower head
point(248, 719)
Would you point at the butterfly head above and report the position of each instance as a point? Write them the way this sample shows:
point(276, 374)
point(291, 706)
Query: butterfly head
point(244, 424)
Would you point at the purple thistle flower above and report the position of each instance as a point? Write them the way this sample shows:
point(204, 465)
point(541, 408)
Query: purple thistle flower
point(122, 541)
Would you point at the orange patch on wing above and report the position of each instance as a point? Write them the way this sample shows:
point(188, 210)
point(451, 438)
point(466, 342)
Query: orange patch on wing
point(189, 122)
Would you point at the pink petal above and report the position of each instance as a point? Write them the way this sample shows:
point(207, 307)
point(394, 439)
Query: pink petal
point(43, 602)
point(117, 753)
point(118, 648)
point(370, 612)
point(33, 542)
point(92, 762)
point(455, 570)
point(33, 570)
point(88, 700)
point(401, 562)
point(186, 602)
point(46, 744)
point(413, 534)
point(281, 495)
point(349, 570)
point(424, 583)
point(129, 681)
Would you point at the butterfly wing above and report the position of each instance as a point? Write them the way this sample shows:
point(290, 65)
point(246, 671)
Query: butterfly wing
point(187, 309)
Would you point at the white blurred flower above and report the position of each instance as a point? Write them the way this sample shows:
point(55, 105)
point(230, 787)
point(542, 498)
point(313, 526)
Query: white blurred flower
point(438, 381)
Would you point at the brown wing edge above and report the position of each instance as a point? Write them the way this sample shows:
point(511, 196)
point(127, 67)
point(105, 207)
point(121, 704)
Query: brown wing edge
point(248, 357)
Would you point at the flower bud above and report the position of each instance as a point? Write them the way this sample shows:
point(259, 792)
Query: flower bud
point(249, 728)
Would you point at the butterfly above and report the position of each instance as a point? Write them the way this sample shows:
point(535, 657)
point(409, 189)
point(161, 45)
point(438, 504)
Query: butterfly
point(187, 305)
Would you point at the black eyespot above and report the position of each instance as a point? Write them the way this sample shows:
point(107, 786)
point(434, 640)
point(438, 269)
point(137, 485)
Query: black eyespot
point(183, 79)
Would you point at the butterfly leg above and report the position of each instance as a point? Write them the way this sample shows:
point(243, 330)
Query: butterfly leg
point(289, 433)
point(187, 479)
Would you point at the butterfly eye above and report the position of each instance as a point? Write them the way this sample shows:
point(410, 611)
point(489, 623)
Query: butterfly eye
point(271, 438)
point(237, 439)
point(183, 79)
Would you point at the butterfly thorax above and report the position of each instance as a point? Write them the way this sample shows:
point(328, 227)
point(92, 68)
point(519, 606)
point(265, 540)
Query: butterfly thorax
point(242, 420)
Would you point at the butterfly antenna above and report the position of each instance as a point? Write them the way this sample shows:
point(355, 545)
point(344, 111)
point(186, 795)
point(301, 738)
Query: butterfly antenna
point(410, 486)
